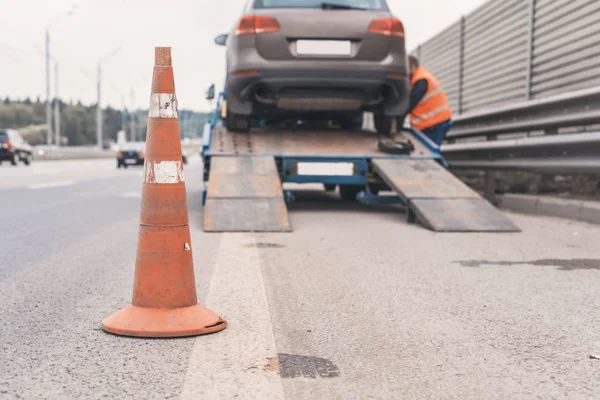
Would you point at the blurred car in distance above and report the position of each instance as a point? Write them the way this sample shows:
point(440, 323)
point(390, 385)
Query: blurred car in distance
point(131, 153)
point(309, 59)
point(14, 148)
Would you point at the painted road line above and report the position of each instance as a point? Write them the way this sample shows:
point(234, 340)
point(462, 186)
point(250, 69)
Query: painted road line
point(239, 362)
point(51, 185)
point(131, 194)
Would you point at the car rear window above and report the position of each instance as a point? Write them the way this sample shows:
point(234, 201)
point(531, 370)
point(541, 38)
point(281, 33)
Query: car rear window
point(366, 4)
point(3, 136)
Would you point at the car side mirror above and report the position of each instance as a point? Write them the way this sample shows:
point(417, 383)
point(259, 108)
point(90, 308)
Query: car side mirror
point(221, 40)
point(210, 92)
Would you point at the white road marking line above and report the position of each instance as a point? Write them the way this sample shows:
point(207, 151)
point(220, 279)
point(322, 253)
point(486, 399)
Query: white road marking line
point(226, 365)
point(131, 194)
point(51, 185)
point(47, 171)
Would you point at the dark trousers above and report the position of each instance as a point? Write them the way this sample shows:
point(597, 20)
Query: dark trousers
point(437, 133)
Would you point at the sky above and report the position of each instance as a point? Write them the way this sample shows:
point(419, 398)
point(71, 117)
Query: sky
point(132, 28)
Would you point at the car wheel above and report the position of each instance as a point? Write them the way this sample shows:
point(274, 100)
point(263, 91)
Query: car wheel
point(28, 159)
point(353, 122)
point(383, 124)
point(119, 165)
point(236, 122)
point(349, 192)
point(15, 159)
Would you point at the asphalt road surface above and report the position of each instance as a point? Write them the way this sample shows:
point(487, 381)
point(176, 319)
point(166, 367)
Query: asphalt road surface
point(354, 304)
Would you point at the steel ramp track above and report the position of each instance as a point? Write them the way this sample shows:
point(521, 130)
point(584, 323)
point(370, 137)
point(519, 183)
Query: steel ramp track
point(244, 194)
point(438, 199)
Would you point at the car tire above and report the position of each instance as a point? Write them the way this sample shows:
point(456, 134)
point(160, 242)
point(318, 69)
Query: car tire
point(28, 159)
point(118, 165)
point(237, 122)
point(353, 122)
point(383, 124)
point(349, 192)
point(15, 159)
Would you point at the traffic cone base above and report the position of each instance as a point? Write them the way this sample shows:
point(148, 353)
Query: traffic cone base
point(156, 323)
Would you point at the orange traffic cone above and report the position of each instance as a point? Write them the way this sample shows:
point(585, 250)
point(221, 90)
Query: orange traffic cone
point(164, 292)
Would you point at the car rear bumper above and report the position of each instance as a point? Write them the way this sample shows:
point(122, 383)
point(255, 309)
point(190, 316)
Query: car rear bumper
point(372, 84)
point(5, 154)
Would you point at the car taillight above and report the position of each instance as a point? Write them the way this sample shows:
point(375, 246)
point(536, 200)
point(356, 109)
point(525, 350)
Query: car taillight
point(119, 154)
point(387, 27)
point(7, 144)
point(141, 154)
point(255, 25)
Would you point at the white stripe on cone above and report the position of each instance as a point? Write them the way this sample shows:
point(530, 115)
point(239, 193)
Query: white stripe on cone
point(163, 105)
point(163, 172)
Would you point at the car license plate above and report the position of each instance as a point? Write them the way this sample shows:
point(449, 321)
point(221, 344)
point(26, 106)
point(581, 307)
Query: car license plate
point(324, 47)
point(326, 169)
point(130, 161)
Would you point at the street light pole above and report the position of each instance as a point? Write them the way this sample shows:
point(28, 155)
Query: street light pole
point(99, 106)
point(48, 98)
point(99, 111)
point(56, 105)
point(133, 117)
point(67, 13)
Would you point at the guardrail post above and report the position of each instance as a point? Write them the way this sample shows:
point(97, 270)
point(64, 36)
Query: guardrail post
point(530, 44)
point(461, 65)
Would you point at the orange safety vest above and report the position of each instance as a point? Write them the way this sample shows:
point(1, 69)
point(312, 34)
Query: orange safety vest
point(433, 108)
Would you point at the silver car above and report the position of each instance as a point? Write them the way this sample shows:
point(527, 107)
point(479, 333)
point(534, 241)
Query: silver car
point(309, 59)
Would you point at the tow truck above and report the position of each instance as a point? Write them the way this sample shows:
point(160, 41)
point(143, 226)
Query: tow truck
point(244, 174)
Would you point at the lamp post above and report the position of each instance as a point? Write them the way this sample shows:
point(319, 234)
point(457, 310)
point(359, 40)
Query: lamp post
point(66, 13)
point(99, 106)
point(56, 105)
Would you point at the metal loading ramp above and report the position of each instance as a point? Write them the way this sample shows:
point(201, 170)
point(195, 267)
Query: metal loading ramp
point(438, 199)
point(244, 194)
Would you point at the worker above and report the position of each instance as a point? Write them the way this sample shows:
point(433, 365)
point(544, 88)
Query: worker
point(429, 110)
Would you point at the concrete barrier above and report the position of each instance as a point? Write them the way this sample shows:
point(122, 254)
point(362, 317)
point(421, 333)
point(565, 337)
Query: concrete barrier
point(579, 210)
point(71, 153)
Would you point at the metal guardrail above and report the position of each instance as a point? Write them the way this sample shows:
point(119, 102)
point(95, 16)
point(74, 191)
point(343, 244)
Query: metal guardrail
point(575, 109)
point(543, 146)
point(523, 81)
point(562, 154)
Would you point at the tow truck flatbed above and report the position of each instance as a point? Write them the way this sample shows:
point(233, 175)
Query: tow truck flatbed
point(244, 173)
